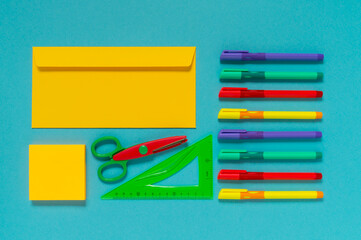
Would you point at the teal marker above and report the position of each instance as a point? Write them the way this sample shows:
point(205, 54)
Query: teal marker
point(244, 74)
point(245, 155)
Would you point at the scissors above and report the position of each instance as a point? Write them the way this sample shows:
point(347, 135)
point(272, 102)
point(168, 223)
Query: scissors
point(120, 156)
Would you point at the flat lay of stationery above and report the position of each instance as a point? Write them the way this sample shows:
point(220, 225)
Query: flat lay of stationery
point(180, 120)
point(134, 87)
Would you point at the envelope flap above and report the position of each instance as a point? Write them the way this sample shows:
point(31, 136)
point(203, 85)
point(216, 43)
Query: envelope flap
point(127, 57)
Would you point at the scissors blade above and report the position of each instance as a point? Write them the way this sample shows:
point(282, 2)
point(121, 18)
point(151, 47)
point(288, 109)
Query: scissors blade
point(170, 145)
point(148, 148)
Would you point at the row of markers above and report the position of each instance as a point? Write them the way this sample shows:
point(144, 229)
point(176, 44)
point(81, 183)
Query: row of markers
point(231, 134)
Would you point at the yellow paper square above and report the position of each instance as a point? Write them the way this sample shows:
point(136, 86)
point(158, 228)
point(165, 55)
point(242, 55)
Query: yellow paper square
point(57, 172)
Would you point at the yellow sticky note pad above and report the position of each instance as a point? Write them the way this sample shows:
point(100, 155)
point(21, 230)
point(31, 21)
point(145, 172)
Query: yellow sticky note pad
point(57, 172)
point(114, 87)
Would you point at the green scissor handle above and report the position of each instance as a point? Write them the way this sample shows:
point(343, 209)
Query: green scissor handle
point(109, 156)
point(106, 140)
point(122, 164)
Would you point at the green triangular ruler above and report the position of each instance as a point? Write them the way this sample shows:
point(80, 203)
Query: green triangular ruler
point(144, 185)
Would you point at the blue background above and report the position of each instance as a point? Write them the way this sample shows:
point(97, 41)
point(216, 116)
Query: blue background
point(329, 27)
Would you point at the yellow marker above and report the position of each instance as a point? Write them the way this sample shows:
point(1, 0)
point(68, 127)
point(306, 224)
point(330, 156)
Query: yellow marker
point(57, 172)
point(230, 113)
point(244, 194)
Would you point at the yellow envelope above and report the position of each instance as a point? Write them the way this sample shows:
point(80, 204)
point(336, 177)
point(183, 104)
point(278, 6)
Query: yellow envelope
point(114, 87)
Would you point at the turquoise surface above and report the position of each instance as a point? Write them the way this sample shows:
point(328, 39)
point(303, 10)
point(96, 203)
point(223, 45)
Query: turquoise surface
point(329, 27)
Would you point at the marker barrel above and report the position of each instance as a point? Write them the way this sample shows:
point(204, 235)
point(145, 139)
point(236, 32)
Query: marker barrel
point(292, 135)
point(293, 57)
point(244, 75)
point(249, 155)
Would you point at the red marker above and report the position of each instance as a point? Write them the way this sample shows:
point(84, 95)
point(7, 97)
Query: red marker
point(230, 92)
point(226, 174)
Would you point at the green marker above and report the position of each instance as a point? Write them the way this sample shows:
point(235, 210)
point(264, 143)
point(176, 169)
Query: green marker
point(244, 74)
point(245, 155)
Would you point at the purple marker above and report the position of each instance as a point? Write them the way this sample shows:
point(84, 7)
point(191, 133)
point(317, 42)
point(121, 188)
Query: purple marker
point(235, 134)
point(234, 55)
